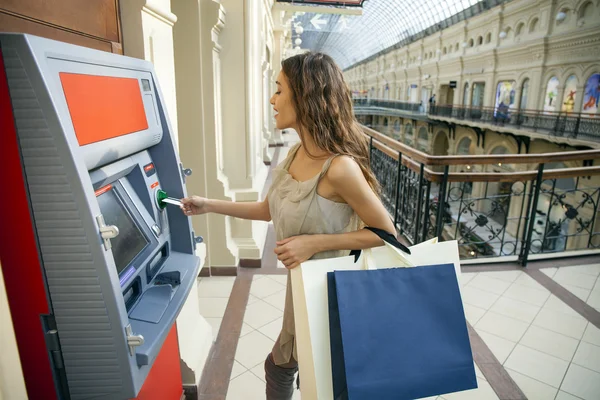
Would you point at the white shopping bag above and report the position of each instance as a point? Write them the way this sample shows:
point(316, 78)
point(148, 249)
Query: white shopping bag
point(311, 311)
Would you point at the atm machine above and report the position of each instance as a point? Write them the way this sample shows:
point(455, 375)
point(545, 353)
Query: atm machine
point(97, 264)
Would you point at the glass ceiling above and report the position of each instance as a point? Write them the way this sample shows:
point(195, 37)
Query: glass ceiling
point(350, 39)
point(345, 3)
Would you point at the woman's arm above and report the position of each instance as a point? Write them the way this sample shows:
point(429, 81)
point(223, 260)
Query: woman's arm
point(357, 240)
point(349, 183)
point(255, 210)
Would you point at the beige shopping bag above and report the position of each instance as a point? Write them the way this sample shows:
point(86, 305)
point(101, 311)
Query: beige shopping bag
point(311, 312)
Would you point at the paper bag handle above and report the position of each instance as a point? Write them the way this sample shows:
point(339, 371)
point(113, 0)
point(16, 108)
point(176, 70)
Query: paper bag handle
point(386, 237)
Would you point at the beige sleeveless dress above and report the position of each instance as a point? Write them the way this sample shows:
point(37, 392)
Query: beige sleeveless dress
point(297, 209)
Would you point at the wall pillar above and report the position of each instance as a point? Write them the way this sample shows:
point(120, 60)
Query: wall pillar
point(559, 98)
point(578, 107)
point(517, 97)
point(243, 128)
point(267, 111)
point(147, 27)
point(278, 48)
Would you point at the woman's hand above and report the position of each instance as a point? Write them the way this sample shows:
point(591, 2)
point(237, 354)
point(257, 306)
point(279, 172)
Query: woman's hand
point(296, 249)
point(194, 205)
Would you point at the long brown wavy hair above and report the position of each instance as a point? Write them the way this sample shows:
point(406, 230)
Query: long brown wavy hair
point(324, 111)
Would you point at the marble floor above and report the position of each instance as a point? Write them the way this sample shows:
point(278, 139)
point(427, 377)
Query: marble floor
point(547, 348)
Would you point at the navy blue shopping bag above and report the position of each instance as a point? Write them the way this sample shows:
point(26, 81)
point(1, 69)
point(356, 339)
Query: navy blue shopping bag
point(398, 334)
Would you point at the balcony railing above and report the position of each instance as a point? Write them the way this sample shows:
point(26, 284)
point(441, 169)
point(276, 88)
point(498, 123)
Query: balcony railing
point(505, 215)
point(391, 104)
point(562, 124)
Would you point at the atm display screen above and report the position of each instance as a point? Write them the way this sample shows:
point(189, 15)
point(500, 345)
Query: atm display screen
point(130, 241)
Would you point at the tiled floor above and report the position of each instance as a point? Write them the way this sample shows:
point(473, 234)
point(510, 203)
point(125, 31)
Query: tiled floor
point(213, 295)
point(548, 349)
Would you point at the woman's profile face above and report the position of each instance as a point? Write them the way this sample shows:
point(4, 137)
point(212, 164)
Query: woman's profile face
point(285, 113)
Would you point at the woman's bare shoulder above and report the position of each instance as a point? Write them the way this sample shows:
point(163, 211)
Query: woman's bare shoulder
point(343, 169)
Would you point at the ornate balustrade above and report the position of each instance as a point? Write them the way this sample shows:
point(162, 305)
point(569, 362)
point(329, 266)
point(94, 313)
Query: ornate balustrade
point(514, 215)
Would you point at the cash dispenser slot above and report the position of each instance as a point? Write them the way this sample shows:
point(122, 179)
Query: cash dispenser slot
point(157, 262)
point(132, 293)
point(165, 300)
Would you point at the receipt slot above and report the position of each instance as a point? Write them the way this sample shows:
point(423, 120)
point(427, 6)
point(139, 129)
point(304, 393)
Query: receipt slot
point(96, 267)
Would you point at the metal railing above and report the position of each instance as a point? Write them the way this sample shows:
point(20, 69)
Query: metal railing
point(506, 215)
point(391, 104)
point(562, 124)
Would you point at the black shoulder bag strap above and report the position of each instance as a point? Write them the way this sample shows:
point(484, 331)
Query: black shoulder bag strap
point(386, 237)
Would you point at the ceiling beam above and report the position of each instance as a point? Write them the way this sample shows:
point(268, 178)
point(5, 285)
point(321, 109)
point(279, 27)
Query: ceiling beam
point(294, 7)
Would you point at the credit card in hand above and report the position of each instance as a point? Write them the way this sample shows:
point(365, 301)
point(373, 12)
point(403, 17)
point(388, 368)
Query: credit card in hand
point(170, 200)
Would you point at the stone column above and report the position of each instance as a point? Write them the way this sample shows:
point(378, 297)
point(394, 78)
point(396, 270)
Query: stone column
point(469, 94)
point(579, 98)
point(489, 94)
point(278, 46)
point(267, 111)
point(244, 171)
point(518, 97)
point(451, 145)
point(478, 187)
point(458, 90)
point(559, 98)
point(537, 90)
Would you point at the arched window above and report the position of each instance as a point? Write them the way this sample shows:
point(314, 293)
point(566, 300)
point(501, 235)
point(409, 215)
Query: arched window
point(479, 40)
point(586, 11)
point(465, 94)
point(505, 97)
point(591, 95)
point(444, 51)
point(568, 101)
point(519, 29)
point(464, 147)
point(471, 42)
point(478, 94)
point(488, 38)
point(408, 133)
point(524, 93)
point(533, 25)
point(423, 133)
point(440, 144)
point(456, 47)
point(397, 125)
point(550, 98)
point(385, 122)
point(498, 150)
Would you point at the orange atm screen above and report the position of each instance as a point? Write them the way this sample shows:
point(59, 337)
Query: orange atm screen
point(103, 107)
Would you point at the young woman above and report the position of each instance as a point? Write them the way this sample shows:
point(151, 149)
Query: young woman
point(322, 194)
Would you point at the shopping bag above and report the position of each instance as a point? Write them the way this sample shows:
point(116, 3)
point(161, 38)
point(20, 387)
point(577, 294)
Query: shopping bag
point(398, 334)
point(311, 316)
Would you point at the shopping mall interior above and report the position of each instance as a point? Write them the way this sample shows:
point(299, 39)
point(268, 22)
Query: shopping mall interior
point(482, 119)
